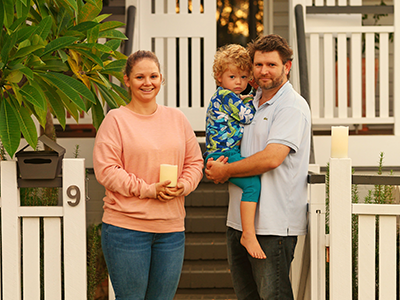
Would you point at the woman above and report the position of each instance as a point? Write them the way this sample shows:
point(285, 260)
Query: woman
point(143, 221)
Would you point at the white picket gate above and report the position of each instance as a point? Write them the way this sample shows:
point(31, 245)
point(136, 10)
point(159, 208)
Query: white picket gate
point(339, 240)
point(64, 237)
point(185, 42)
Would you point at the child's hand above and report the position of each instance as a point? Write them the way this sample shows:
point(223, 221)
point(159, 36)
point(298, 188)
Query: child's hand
point(253, 83)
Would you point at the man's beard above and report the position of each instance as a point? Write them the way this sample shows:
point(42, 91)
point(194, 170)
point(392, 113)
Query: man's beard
point(274, 83)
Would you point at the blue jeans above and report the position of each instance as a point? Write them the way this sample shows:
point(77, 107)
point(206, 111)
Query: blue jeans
point(256, 279)
point(143, 265)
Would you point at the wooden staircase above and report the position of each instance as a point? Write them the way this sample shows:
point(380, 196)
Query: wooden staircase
point(206, 273)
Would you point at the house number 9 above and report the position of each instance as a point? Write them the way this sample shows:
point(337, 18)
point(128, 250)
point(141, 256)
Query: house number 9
point(76, 196)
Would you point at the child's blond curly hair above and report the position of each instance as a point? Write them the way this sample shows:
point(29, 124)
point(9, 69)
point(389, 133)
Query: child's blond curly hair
point(230, 55)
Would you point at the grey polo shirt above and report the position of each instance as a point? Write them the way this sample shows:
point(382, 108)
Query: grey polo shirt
point(285, 119)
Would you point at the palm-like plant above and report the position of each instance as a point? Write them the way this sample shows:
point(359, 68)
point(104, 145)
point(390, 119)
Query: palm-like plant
point(51, 63)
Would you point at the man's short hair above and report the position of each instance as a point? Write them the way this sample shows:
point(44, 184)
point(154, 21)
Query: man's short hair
point(269, 43)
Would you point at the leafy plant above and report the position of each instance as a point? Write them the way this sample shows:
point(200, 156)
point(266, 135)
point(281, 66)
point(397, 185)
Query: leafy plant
point(51, 63)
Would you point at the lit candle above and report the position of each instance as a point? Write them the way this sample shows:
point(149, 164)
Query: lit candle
point(169, 172)
point(339, 141)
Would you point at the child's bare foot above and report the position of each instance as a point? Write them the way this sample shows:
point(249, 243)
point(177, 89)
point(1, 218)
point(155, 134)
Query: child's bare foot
point(249, 241)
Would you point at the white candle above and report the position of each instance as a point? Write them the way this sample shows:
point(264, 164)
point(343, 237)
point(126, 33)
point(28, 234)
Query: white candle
point(339, 141)
point(169, 172)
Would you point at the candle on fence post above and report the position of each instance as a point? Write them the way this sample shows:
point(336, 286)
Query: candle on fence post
point(169, 172)
point(339, 141)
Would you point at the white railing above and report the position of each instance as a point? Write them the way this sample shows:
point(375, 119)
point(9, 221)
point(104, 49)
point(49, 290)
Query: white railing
point(352, 66)
point(339, 240)
point(184, 40)
point(62, 225)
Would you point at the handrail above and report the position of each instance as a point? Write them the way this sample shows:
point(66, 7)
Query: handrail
point(360, 179)
point(351, 9)
point(130, 27)
point(303, 65)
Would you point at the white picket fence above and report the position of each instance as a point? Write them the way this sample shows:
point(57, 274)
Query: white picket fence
point(339, 241)
point(64, 267)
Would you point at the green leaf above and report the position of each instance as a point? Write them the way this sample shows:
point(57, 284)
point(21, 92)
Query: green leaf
point(9, 43)
point(55, 102)
point(27, 72)
point(76, 85)
point(40, 116)
point(93, 34)
point(9, 128)
point(110, 25)
point(70, 106)
point(105, 80)
point(53, 64)
point(59, 43)
point(1, 18)
point(102, 17)
point(32, 95)
point(44, 27)
point(63, 55)
point(27, 126)
point(70, 87)
point(8, 12)
point(27, 50)
point(89, 55)
point(22, 9)
point(116, 65)
point(112, 34)
point(17, 23)
point(91, 46)
point(15, 76)
point(123, 93)
point(84, 26)
point(107, 96)
point(118, 55)
point(113, 44)
point(97, 114)
point(71, 3)
point(90, 10)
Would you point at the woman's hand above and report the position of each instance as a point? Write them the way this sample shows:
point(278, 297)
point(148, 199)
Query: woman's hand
point(165, 193)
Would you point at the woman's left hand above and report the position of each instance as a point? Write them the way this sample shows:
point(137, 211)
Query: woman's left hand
point(171, 192)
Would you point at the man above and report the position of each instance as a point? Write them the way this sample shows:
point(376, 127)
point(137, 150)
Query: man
point(276, 146)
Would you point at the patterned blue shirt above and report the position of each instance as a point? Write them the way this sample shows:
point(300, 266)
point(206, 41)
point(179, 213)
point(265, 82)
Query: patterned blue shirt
point(226, 115)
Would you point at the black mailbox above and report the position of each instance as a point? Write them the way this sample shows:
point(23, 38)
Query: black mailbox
point(40, 168)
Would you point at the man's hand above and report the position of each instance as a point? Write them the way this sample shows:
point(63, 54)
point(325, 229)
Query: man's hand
point(216, 170)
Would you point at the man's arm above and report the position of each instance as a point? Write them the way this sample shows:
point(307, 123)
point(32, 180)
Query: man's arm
point(268, 159)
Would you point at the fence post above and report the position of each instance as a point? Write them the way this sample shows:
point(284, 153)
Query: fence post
point(10, 227)
point(316, 230)
point(340, 273)
point(75, 280)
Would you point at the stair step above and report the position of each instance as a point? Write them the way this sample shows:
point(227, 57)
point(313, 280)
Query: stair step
point(208, 195)
point(205, 246)
point(205, 274)
point(205, 294)
point(206, 219)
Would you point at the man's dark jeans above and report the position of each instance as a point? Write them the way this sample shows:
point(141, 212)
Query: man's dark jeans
point(261, 279)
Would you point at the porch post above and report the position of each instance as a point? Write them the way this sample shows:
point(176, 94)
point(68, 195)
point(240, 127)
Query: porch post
point(340, 283)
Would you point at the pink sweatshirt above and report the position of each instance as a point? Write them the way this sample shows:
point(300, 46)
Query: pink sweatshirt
point(127, 155)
